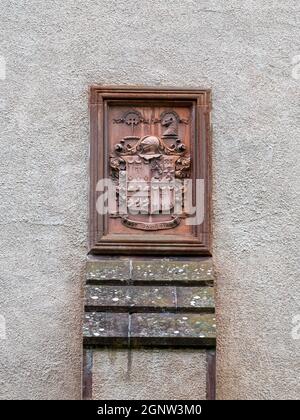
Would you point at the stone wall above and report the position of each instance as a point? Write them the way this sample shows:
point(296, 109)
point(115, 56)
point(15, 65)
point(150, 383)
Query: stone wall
point(53, 52)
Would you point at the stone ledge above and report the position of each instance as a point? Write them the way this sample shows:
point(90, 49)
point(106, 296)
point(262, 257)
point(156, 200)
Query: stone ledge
point(172, 270)
point(160, 271)
point(108, 269)
point(149, 299)
point(163, 329)
point(133, 301)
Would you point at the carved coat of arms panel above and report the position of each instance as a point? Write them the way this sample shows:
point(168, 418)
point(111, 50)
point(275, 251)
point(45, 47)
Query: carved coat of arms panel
point(150, 177)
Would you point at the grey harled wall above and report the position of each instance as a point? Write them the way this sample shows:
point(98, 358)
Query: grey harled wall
point(149, 374)
point(243, 51)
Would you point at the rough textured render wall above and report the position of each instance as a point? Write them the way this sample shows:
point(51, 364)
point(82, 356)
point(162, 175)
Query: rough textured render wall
point(243, 51)
point(149, 374)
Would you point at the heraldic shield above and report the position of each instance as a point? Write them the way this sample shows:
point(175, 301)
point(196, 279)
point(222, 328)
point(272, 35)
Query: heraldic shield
point(148, 174)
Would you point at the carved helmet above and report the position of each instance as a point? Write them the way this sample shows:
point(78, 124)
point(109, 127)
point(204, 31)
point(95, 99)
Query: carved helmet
point(149, 147)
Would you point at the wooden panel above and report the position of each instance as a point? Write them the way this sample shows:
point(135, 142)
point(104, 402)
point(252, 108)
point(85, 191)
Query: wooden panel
point(157, 139)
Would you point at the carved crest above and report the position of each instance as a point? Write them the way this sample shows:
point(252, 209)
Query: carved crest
point(147, 145)
point(150, 167)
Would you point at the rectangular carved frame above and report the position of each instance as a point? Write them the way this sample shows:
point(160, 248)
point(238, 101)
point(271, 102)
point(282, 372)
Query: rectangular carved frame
point(100, 241)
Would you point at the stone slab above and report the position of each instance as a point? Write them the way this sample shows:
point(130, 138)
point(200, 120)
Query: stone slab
point(102, 270)
point(129, 298)
point(167, 270)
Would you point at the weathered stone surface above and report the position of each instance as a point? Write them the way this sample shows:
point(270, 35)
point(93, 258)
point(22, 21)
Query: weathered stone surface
point(166, 270)
point(195, 298)
point(130, 297)
point(149, 313)
point(167, 328)
point(108, 269)
point(100, 325)
point(162, 329)
point(146, 298)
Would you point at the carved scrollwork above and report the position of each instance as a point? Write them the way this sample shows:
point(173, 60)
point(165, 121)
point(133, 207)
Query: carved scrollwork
point(124, 149)
point(182, 167)
point(151, 149)
point(117, 164)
